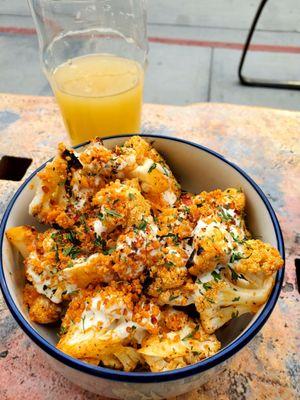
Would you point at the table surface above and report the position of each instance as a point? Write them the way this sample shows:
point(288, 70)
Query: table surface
point(265, 143)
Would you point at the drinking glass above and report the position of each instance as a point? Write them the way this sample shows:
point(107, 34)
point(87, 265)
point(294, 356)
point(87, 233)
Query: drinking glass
point(94, 53)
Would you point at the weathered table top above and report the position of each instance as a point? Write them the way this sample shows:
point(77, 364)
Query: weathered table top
point(265, 143)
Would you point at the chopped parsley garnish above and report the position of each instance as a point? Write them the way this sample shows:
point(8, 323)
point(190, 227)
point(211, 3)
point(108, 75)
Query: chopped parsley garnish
point(191, 335)
point(171, 235)
point(72, 237)
point(206, 286)
point(85, 226)
point(83, 319)
point(236, 257)
point(142, 226)
point(70, 264)
point(56, 254)
point(186, 209)
point(236, 299)
point(216, 275)
point(71, 251)
point(109, 251)
point(234, 314)
point(113, 213)
point(101, 216)
point(63, 330)
point(153, 166)
point(224, 214)
point(236, 238)
point(169, 264)
point(166, 172)
point(172, 297)
point(234, 275)
point(45, 287)
point(131, 196)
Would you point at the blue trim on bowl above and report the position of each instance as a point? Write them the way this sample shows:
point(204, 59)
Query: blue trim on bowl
point(148, 377)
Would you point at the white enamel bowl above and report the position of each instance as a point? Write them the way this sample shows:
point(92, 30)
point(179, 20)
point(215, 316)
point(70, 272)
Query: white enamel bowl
point(197, 168)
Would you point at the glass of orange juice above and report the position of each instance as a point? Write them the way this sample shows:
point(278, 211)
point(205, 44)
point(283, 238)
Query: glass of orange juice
point(94, 54)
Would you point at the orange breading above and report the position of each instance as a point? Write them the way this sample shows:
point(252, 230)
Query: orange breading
point(174, 319)
point(208, 203)
point(175, 221)
point(23, 238)
point(41, 309)
point(209, 252)
point(95, 269)
point(121, 204)
point(259, 258)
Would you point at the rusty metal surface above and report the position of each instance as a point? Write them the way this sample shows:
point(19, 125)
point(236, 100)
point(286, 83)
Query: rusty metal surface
point(266, 144)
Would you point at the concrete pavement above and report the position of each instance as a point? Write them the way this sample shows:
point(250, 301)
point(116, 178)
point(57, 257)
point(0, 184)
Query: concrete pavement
point(191, 66)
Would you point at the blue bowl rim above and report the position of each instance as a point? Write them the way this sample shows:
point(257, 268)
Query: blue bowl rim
point(149, 377)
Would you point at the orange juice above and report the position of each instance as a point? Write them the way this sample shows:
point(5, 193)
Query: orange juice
point(99, 95)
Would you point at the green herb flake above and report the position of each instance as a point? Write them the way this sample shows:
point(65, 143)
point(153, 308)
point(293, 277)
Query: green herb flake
point(169, 264)
point(236, 299)
point(172, 297)
point(216, 275)
point(131, 196)
point(224, 215)
point(63, 330)
point(191, 335)
point(85, 226)
point(142, 226)
point(234, 314)
point(83, 319)
point(101, 216)
point(207, 286)
point(71, 251)
point(153, 166)
point(112, 213)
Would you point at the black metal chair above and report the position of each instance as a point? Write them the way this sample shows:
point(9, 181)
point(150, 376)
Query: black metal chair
point(248, 81)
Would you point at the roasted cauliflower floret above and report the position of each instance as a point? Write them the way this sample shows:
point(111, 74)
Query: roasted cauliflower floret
point(136, 250)
point(258, 261)
point(50, 200)
point(41, 309)
point(170, 271)
point(177, 349)
point(96, 320)
point(210, 249)
point(143, 162)
point(23, 238)
point(240, 287)
point(121, 204)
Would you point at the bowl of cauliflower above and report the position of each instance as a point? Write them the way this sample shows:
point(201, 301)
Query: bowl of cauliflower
point(140, 264)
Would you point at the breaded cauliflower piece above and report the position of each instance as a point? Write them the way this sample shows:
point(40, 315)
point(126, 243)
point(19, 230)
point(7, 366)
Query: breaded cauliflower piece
point(211, 247)
point(101, 322)
point(50, 200)
point(65, 186)
point(143, 162)
point(240, 287)
point(136, 250)
point(120, 204)
point(177, 349)
point(210, 203)
point(41, 309)
point(96, 320)
point(179, 296)
point(23, 238)
point(170, 271)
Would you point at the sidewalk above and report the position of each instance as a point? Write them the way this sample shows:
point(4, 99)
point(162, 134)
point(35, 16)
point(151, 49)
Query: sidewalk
point(194, 51)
